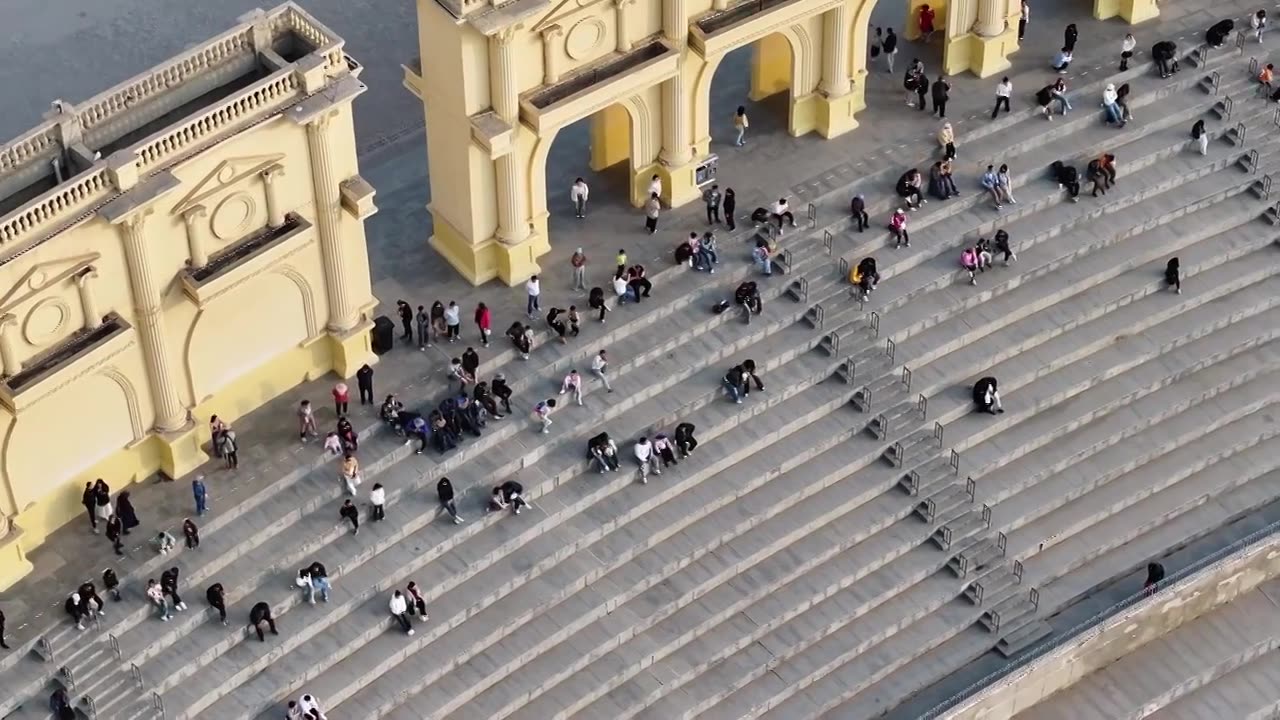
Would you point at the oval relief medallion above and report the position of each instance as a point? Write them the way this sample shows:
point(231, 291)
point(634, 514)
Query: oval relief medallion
point(45, 321)
point(584, 39)
point(233, 217)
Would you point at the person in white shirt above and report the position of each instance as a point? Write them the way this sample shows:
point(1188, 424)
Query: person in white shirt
point(453, 321)
point(600, 365)
point(1003, 91)
point(533, 289)
point(621, 288)
point(655, 186)
point(378, 502)
point(782, 213)
point(542, 414)
point(572, 381)
point(644, 456)
point(400, 611)
point(1126, 50)
point(579, 194)
point(1259, 23)
point(308, 703)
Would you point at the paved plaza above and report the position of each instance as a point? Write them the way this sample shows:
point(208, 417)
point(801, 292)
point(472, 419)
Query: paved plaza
point(1079, 358)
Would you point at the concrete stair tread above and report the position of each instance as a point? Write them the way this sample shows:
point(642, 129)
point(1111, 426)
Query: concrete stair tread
point(1251, 685)
point(1106, 480)
point(1062, 588)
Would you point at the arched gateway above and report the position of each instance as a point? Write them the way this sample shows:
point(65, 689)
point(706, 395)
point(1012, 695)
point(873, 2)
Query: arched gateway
point(499, 78)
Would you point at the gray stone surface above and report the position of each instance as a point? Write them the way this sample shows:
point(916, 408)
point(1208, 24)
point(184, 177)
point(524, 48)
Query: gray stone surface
point(779, 571)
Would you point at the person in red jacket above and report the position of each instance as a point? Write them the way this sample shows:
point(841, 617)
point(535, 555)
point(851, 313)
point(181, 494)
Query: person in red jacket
point(483, 321)
point(341, 396)
point(925, 19)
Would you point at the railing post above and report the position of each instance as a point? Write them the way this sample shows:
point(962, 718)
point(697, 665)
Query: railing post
point(1216, 77)
point(1242, 132)
point(1253, 161)
point(1228, 105)
point(1253, 68)
point(92, 705)
point(115, 645)
point(906, 377)
point(1034, 596)
point(955, 462)
point(986, 515)
point(1017, 572)
point(1002, 542)
point(157, 703)
point(45, 648)
point(891, 347)
point(813, 216)
point(874, 318)
point(970, 489)
point(922, 405)
point(68, 676)
point(937, 433)
point(844, 267)
point(828, 240)
point(866, 398)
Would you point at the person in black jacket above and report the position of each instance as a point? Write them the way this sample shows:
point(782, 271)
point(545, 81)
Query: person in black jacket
point(508, 494)
point(349, 512)
point(922, 90)
point(941, 91)
point(111, 583)
point(1164, 54)
point(90, 501)
point(501, 391)
point(444, 490)
point(364, 379)
point(729, 204)
point(217, 598)
point(115, 528)
point(1069, 37)
point(482, 396)
point(1067, 177)
point(684, 439)
point(858, 208)
point(1172, 277)
point(261, 613)
point(169, 585)
point(1155, 575)
point(124, 509)
point(1002, 245)
point(986, 395)
point(1216, 35)
point(3, 644)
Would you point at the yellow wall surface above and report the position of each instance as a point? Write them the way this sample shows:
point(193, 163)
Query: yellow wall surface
point(228, 342)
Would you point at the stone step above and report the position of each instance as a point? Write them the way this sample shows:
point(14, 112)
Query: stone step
point(577, 462)
point(1053, 509)
point(1012, 609)
point(1025, 637)
point(1170, 519)
point(1247, 692)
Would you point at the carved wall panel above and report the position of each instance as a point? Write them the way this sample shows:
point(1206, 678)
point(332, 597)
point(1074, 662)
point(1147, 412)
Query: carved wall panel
point(231, 202)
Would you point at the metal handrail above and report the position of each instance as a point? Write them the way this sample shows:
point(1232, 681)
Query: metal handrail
point(930, 509)
point(962, 565)
point(891, 347)
point(866, 397)
point(157, 703)
point(1242, 133)
point(785, 256)
point(68, 676)
point(995, 619)
point(833, 338)
point(937, 432)
point(828, 240)
point(1253, 66)
point(945, 532)
point(801, 286)
point(883, 422)
point(1216, 79)
point(844, 267)
point(1275, 118)
point(115, 645)
point(819, 315)
point(1253, 161)
point(913, 484)
point(1240, 38)
point(1203, 51)
point(1002, 542)
point(92, 705)
point(955, 462)
point(137, 675)
point(849, 369)
point(1017, 572)
point(922, 405)
point(1227, 106)
point(970, 489)
point(1266, 187)
point(986, 515)
point(979, 592)
point(1034, 596)
point(874, 317)
point(906, 377)
point(813, 216)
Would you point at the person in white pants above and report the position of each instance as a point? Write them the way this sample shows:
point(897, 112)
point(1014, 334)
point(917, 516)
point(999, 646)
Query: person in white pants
point(645, 457)
point(400, 611)
point(572, 382)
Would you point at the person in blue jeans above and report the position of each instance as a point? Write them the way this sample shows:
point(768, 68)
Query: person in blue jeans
point(201, 495)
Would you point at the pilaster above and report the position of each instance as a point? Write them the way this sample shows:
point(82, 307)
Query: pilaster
point(196, 246)
point(625, 43)
point(88, 303)
point(275, 210)
point(1132, 11)
point(343, 312)
point(513, 225)
point(9, 353)
point(550, 62)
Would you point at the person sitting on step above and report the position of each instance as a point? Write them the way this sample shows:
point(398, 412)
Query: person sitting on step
point(986, 395)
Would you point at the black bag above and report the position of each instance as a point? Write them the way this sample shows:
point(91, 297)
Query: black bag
point(720, 307)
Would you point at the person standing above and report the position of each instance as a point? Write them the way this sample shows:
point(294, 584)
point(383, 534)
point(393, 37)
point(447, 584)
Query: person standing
point(230, 449)
point(306, 421)
point(1003, 91)
point(444, 491)
point(655, 185)
point(191, 533)
point(424, 327)
point(216, 428)
point(1023, 19)
point(740, 125)
point(578, 261)
point(1126, 50)
point(730, 204)
point(406, 319)
point(1172, 276)
point(350, 473)
point(124, 509)
point(341, 398)
point(1069, 37)
point(1201, 136)
point(652, 208)
point(941, 93)
point(711, 198)
point(533, 291)
point(600, 368)
point(217, 598)
point(579, 194)
point(858, 208)
point(890, 49)
point(261, 613)
point(947, 139)
point(922, 91)
point(925, 17)
point(3, 644)
point(102, 501)
point(364, 381)
point(484, 322)
point(201, 495)
point(453, 321)
point(111, 583)
point(898, 226)
point(572, 382)
point(1259, 24)
point(351, 514)
point(90, 502)
point(399, 611)
point(378, 503)
point(115, 528)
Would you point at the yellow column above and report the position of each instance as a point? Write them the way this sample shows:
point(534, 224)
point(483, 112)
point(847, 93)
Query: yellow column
point(624, 43)
point(1133, 11)
point(985, 51)
point(838, 103)
point(275, 213)
point(88, 303)
point(550, 62)
point(676, 157)
point(504, 87)
point(8, 353)
point(180, 447)
point(195, 239)
point(348, 336)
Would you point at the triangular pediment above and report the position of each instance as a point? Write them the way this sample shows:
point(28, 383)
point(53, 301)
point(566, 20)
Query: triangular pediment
point(225, 174)
point(562, 11)
point(44, 275)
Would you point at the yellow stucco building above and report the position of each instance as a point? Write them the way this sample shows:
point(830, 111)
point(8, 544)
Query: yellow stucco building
point(498, 79)
point(189, 242)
